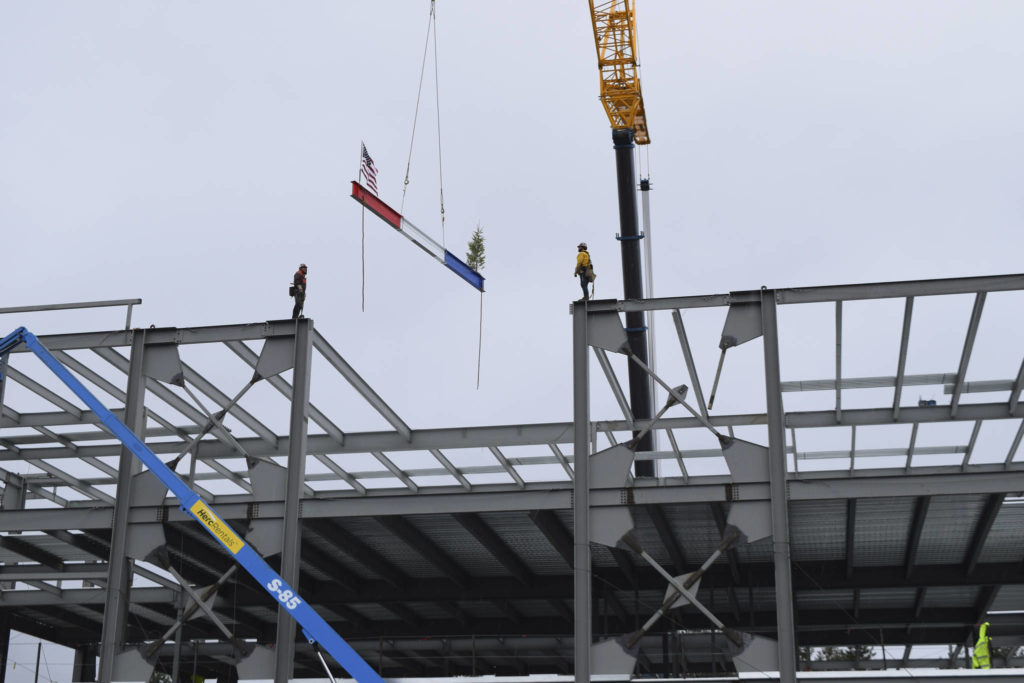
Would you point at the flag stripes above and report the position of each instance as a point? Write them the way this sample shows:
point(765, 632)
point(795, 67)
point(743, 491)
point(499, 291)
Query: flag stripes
point(368, 169)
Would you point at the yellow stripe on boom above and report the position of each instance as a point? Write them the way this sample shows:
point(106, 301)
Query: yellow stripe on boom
point(216, 525)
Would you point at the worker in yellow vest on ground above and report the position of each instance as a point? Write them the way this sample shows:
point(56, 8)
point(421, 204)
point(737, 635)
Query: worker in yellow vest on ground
point(981, 658)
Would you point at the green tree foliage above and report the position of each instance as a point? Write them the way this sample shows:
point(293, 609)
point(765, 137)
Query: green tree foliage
point(475, 256)
point(856, 653)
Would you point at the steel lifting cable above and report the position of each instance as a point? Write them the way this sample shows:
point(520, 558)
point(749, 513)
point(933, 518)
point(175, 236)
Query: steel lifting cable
point(431, 26)
point(362, 261)
point(480, 341)
point(437, 103)
point(416, 113)
point(640, 153)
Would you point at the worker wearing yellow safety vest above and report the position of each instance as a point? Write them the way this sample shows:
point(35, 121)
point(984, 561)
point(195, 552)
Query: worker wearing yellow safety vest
point(981, 659)
point(584, 268)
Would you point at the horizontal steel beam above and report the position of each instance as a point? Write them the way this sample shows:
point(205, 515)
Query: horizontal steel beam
point(894, 482)
point(869, 382)
point(169, 335)
point(804, 295)
point(517, 435)
point(70, 572)
point(810, 580)
point(64, 307)
point(85, 596)
point(222, 467)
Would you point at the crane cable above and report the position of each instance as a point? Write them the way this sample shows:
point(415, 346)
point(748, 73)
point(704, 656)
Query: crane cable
point(431, 26)
point(642, 150)
point(644, 159)
point(437, 104)
point(480, 341)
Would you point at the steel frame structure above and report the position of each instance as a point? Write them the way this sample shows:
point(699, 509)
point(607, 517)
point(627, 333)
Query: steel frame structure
point(465, 536)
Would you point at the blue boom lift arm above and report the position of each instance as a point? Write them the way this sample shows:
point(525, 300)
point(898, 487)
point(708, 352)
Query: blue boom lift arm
point(316, 630)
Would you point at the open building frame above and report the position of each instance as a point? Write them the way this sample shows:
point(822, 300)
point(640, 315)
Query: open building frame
point(453, 550)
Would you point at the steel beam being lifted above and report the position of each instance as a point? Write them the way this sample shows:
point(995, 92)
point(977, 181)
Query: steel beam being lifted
point(421, 239)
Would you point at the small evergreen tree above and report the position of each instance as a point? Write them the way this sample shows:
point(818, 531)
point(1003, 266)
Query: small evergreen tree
point(854, 653)
point(475, 256)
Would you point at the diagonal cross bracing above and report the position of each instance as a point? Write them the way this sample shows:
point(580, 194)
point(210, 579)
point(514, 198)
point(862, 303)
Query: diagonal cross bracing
point(279, 383)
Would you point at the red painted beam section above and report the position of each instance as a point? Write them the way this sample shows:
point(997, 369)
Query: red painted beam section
point(374, 204)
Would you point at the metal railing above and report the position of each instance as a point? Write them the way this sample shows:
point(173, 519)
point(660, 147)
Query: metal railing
point(82, 304)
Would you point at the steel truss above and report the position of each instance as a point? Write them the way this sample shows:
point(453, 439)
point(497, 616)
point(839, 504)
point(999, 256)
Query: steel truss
point(466, 534)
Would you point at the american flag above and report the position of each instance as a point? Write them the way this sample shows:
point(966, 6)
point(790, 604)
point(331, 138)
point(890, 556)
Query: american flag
point(368, 170)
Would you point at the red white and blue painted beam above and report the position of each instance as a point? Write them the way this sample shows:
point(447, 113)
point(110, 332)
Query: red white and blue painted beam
point(417, 236)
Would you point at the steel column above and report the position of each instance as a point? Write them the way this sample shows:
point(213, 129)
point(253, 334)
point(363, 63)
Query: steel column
point(633, 288)
point(176, 662)
point(5, 643)
point(285, 645)
point(581, 495)
point(14, 492)
point(839, 364)
point(965, 356)
point(645, 203)
point(84, 666)
point(3, 378)
point(777, 475)
point(119, 572)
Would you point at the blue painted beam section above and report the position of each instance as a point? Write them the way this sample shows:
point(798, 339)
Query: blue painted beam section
point(462, 270)
point(313, 625)
point(11, 340)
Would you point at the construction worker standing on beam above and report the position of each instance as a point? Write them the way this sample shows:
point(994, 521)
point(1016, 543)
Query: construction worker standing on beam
point(298, 290)
point(584, 268)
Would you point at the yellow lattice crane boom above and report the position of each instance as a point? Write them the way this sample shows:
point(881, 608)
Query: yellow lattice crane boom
point(615, 37)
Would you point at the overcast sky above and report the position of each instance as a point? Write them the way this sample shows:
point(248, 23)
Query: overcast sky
point(192, 154)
